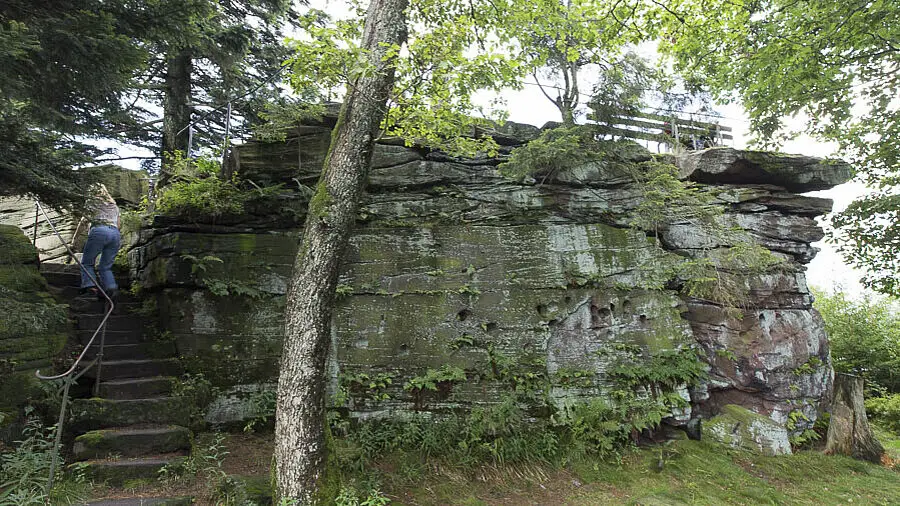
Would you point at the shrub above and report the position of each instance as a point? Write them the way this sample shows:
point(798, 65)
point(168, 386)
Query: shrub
point(865, 339)
point(885, 410)
point(201, 197)
point(556, 149)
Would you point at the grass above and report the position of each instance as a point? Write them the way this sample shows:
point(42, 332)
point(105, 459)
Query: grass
point(678, 473)
point(890, 441)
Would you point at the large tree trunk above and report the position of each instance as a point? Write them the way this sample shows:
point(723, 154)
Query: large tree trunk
point(300, 415)
point(176, 109)
point(849, 432)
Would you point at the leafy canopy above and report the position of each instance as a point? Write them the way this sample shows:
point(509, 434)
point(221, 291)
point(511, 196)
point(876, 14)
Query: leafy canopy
point(865, 338)
point(437, 72)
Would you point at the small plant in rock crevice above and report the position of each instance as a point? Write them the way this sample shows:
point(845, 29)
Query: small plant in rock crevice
point(439, 381)
point(365, 386)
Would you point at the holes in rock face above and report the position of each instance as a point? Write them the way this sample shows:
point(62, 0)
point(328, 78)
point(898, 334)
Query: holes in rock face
point(553, 322)
point(626, 306)
point(604, 313)
point(404, 350)
point(643, 318)
point(568, 299)
point(490, 327)
point(762, 317)
point(612, 306)
point(463, 315)
point(541, 309)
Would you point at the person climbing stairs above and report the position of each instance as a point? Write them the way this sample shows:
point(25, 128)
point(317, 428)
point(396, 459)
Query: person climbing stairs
point(136, 424)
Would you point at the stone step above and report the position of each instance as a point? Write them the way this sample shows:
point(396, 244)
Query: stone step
point(121, 369)
point(144, 501)
point(97, 413)
point(140, 388)
point(64, 293)
point(118, 472)
point(69, 275)
point(132, 442)
point(114, 337)
point(62, 279)
point(113, 323)
point(89, 306)
point(136, 351)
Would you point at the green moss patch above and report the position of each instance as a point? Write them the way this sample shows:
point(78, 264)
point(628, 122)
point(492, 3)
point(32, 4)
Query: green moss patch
point(16, 247)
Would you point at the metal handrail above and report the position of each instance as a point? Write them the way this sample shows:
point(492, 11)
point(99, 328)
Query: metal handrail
point(68, 377)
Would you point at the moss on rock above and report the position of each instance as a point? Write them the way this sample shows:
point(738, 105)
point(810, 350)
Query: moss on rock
point(16, 247)
point(33, 328)
point(741, 428)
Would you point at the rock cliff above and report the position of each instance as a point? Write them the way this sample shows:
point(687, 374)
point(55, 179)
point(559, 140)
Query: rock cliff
point(457, 274)
point(34, 328)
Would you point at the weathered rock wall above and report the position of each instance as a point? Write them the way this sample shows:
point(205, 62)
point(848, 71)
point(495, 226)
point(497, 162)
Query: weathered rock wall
point(455, 267)
point(33, 328)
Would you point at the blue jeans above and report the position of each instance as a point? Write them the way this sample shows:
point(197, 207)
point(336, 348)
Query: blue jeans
point(102, 241)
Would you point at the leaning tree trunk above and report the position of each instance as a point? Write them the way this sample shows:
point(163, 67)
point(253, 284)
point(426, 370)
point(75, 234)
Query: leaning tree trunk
point(849, 432)
point(176, 109)
point(300, 415)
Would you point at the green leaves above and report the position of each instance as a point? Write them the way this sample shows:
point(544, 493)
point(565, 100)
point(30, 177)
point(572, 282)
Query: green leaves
point(447, 60)
point(865, 338)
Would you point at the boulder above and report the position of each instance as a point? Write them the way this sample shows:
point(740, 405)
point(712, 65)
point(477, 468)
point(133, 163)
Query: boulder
point(33, 328)
point(739, 427)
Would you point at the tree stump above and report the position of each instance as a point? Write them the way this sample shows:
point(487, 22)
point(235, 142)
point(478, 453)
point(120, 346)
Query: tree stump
point(849, 432)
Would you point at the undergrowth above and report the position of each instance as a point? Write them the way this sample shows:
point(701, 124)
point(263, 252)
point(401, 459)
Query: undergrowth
point(24, 471)
point(204, 467)
point(196, 191)
point(527, 424)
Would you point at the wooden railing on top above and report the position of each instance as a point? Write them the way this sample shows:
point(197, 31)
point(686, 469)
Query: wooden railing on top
point(666, 129)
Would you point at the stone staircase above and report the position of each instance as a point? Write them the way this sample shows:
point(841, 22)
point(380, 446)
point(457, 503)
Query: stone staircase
point(136, 426)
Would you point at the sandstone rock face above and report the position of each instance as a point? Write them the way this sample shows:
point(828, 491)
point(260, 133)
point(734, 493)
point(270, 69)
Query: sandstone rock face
point(454, 267)
point(795, 173)
point(33, 328)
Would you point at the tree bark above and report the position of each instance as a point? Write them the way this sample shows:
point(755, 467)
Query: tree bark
point(176, 109)
point(300, 415)
point(848, 431)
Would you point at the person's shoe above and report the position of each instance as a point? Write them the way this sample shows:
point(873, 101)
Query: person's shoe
point(90, 291)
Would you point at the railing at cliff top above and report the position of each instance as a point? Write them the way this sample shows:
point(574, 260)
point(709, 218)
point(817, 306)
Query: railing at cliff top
point(69, 377)
point(670, 130)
